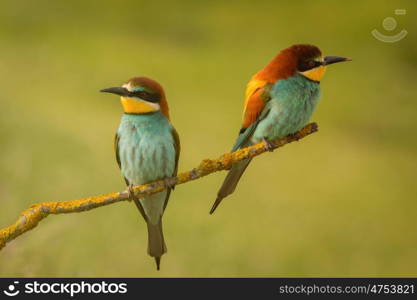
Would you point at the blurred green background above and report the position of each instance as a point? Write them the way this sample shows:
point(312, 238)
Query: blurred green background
point(339, 203)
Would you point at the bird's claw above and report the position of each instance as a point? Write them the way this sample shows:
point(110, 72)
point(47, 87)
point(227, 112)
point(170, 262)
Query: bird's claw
point(131, 192)
point(269, 146)
point(294, 136)
point(170, 182)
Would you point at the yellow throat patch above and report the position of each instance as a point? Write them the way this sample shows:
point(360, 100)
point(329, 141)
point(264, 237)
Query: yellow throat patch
point(137, 106)
point(315, 74)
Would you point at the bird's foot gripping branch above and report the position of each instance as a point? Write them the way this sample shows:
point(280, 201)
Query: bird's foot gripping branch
point(30, 217)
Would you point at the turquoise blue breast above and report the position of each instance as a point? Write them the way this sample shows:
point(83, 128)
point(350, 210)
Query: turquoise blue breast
point(292, 103)
point(146, 147)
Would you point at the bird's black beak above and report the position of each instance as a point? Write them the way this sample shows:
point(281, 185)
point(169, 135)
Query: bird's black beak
point(116, 90)
point(328, 60)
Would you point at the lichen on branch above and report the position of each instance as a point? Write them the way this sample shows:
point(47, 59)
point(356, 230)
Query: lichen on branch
point(30, 217)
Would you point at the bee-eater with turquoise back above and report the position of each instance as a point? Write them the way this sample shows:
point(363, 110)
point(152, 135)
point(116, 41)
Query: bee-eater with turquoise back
point(147, 149)
point(280, 100)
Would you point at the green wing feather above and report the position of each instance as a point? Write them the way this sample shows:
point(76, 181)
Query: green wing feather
point(116, 150)
point(177, 147)
point(243, 140)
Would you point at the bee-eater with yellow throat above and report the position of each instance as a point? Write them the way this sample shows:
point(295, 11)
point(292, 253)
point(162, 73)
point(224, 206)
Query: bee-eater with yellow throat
point(147, 149)
point(280, 100)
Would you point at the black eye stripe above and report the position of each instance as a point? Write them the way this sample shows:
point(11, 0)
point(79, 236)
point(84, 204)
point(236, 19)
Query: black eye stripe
point(145, 96)
point(308, 65)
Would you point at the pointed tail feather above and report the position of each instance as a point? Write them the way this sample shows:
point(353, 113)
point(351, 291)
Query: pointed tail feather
point(230, 182)
point(156, 243)
point(158, 262)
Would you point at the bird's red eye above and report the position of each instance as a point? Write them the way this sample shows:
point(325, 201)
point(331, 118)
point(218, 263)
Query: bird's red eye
point(143, 95)
point(308, 65)
point(147, 96)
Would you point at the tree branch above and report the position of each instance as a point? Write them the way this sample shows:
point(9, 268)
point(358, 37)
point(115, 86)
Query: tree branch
point(30, 217)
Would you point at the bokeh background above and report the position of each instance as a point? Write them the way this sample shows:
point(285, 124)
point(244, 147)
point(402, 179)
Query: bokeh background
point(342, 202)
